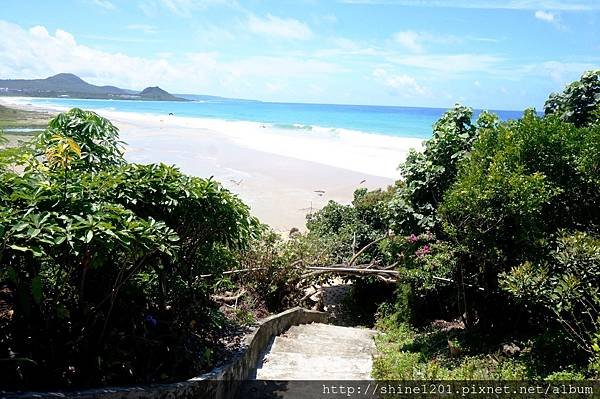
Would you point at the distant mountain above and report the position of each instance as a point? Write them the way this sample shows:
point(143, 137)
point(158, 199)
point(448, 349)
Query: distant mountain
point(70, 85)
point(206, 98)
point(156, 93)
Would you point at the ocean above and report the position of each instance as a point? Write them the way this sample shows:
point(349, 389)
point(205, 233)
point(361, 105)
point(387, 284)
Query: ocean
point(409, 122)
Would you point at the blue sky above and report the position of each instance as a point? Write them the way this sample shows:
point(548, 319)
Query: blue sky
point(504, 54)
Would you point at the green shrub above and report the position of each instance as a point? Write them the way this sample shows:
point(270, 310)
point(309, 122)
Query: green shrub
point(579, 103)
point(349, 228)
point(428, 174)
point(102, 261)
point(522, 183)
point(566, 284)
point(408, 354)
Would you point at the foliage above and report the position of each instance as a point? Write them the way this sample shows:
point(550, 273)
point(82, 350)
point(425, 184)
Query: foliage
point(567, 284)
point(523, 182)
point(104, 260)
point(275, 269)
point(96, 137)
point(428, 174)
point(348, 228)
point(579, 103)
point(497, 217)
point(409, 354)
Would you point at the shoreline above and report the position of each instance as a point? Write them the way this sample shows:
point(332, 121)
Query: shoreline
point(260, 165)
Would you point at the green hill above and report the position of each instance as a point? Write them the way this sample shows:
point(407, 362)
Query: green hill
point(70, 85)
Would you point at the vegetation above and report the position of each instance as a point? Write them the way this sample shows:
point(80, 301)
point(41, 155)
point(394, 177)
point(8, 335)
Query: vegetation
point(579, 103)
point(102, 261)
point(495, 234)
point(113, 272)
point(11, 118)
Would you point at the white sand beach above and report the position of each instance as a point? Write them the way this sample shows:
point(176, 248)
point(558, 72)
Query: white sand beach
point(281, 175)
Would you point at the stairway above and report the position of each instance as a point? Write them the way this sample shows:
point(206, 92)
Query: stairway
point(319, 352)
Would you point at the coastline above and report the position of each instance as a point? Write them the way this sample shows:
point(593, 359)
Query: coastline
point(281, 175)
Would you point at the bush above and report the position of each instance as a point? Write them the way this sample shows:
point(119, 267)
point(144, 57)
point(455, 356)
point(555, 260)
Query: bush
point(346, 229)
point(275, 269)
point(579, 103)
point(428, 174)
point(566, 284)
point(523, 182)
point(102, 261)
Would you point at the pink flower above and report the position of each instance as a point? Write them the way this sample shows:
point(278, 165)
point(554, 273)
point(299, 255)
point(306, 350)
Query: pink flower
point(413, 238)
point(424, 250)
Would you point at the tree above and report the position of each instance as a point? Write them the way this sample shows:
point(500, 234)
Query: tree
point(428, 174)
point(523, 181)
point(579, 103)
point(103, 259)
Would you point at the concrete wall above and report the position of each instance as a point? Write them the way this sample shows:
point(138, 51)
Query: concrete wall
point(220, 383)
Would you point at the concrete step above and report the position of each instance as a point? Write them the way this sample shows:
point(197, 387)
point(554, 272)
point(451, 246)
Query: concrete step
point(329, 329)
point(307, 375)
point(310, 345)
point(325, 341)
point(292, 366)
point(319, 352)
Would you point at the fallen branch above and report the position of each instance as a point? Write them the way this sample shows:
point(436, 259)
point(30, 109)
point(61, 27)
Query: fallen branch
point(447, 280)
point(369, 245)
point(363, 269)
point(228, 299)
point(233, 271)
point(351, 270)
point(386, 280)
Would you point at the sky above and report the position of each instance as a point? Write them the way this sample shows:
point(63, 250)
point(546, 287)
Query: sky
point(502, 54)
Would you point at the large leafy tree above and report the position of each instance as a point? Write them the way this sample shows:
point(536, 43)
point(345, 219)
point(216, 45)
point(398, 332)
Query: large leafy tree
point(579, 102)
point(523, 182)
point(428, 174)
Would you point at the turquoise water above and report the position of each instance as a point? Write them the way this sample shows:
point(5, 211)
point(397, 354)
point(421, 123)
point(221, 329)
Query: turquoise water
point(390, 121)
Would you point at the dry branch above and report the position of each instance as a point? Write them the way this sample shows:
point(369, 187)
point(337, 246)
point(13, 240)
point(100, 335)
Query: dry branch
point(351, 270)
point(228, 299)
point(369, 245)
point(233, 271)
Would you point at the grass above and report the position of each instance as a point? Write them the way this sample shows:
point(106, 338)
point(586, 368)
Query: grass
point(406, 353)
point(13, 118)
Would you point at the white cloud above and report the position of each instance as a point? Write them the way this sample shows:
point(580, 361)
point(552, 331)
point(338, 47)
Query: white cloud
point(565, 5)
point(286, 28)
point(560, 72)
point(148, 29)
point(545, 16)
point(449, 63)
point(179, 7)
point(325, 19)
point(182, 8)
point(36, 53)
point(410, 40)
point(342, 46)
point(399, 83)
point(414, 41)
point(106, 4)
point(549, 17)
